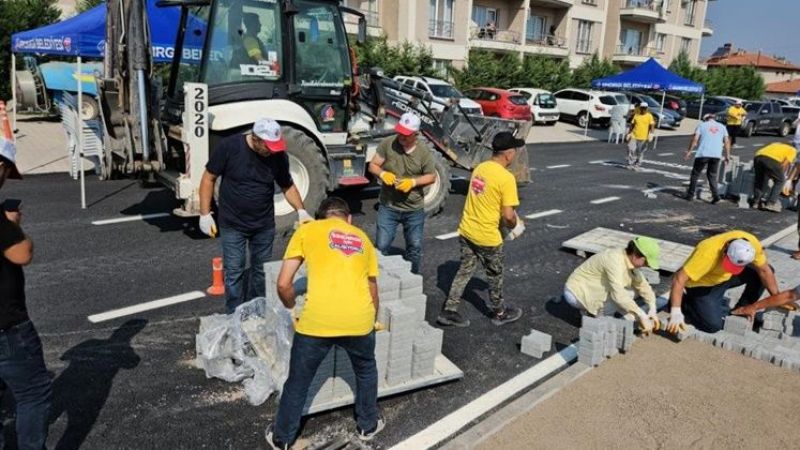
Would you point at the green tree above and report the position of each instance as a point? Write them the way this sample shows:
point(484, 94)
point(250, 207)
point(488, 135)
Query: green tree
point(406, 58)
point(682, 66)
point(489, 69)
point(591, 69)
point(15, 16)
point(85, 5)
point(543, 72)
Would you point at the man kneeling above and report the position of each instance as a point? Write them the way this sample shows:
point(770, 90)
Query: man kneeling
point(611, 273)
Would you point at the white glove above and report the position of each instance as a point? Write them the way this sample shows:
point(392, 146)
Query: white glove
point(651, 137)
point(303, 216)
point(676, 320)
point(516, 231)
point(207, 225)
point(645, 324)
point(652, 314)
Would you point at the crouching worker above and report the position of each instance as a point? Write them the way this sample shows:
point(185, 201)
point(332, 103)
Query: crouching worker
point(719, 263)
point(340, 309)
point(611, 273)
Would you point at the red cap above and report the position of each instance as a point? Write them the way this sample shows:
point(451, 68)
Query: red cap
point(730, 267)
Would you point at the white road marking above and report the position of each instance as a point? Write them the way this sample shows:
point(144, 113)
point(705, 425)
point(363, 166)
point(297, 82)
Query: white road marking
point(666, 164)
point(617, 186)
point(754, 145)
point(549, 212)
point(598, 161)
point(155, 304)
point(130, 218)
point(451, 423)
point(559, 166)
point(446, 236)
point(666, 154)
point(647, 170)
point(600, 201)
point(659, 189)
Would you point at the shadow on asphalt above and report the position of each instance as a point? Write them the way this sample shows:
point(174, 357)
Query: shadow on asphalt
point(445, 274)
point(81, 390)
point(561, 310)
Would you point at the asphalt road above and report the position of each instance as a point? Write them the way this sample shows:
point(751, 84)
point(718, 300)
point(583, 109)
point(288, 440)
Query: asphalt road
point(128, 382)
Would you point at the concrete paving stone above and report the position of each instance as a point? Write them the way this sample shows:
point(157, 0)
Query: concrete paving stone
point(687, 333)
point(418, 303)
point(775, 334)
point(383, 311)
point(536, 343)
point(591, 338)
point(590, 360)
point(410, 291)
point(737, 325)
point(652, 276)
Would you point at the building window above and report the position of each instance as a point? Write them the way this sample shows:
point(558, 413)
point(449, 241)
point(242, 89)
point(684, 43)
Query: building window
point(661, 41)
point(689, 8)
point(441, 19)
point(589, 2)
point(630, 42)
point(483, 16)
point(686, 45)
point(442, 67)
point(536, 28)
point(584, 41)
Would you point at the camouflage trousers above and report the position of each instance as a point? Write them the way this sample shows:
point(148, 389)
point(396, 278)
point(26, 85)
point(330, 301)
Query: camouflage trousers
point(491, 258)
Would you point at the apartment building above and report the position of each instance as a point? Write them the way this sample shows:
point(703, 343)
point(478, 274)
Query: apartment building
point(627, 31)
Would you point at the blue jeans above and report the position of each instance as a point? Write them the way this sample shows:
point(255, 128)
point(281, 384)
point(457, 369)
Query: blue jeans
point(23, 371)
point(307, 354)
point(413, 222)
point(706, 307)
point(234, 258)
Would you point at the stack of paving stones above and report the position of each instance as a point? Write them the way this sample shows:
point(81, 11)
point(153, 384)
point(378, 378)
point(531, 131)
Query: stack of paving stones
point(603, 337)
point(405, 350)
point(776, 342)
point(536, 344)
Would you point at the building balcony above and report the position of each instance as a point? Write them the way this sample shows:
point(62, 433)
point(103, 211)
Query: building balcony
point(441, 29)
point(626, 54)
point(493, 39)
point(645, 11)
point(546, 44)
point(708, 29)
point(553, 3)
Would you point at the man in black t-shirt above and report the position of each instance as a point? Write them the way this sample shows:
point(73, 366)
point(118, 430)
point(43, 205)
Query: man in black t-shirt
point(249, 165)
point(22, 367)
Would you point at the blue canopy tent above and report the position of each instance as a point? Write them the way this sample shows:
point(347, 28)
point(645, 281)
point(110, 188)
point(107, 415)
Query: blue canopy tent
point(651, 76)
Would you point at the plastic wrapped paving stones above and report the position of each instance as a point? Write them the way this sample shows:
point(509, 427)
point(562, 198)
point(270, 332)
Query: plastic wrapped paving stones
point(251, 345)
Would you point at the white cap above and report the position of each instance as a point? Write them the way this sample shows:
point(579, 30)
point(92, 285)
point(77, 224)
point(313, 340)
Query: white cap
point(739, 254)
point(8, 150)
point(408, 124)
point(642, 105)
point(269, 131)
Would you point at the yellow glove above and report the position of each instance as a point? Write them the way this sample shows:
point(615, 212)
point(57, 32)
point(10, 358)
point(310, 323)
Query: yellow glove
point(652, 314)
point(388, 178)
point(405, 185)
point(645, 324)
point(379, 326)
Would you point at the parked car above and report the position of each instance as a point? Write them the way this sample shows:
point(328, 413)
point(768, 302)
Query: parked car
point(543, 105)
point(664, 119)
point(671, 102)
point(711, 105)
point(442, 91)
point(500, 103)
point(764, 117)
point(581, 105)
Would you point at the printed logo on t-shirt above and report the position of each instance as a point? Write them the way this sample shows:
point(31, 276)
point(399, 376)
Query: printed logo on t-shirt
point(713, 129)
point(478, 185)
point(348, 244)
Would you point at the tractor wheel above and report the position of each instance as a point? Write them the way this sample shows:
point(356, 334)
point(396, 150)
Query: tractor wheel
point(310, 174)
point(436, 193)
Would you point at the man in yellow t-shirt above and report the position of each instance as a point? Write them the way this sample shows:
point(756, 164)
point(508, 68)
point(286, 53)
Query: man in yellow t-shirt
point(640, 130)
point(719, 263)
point(771, 163)
point(491, 200)
point(736, 115)
point(340, 308)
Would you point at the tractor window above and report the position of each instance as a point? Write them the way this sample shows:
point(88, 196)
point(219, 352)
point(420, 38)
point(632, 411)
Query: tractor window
point(245, 43)
point(192, 51)
point(322, 56)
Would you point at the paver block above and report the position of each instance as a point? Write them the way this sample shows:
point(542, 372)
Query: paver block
point(737, 325)
point(536, 344)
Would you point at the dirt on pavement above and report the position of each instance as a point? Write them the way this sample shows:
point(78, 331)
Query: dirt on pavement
point(665, 394)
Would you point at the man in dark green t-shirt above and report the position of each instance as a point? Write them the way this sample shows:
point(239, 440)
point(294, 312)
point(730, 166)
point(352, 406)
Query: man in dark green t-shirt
point(405, 166)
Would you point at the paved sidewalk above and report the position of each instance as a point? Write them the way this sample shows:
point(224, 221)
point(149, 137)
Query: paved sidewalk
point(42, 146)
point(568, 132)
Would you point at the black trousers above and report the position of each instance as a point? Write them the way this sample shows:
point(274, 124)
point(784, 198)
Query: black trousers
point(767, 169)
point(712, 166)
point(733, 131)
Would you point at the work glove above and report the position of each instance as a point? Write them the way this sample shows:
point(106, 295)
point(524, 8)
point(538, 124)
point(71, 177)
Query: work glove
point(303, 216)
point(405, 185)
point(651, 137)
point(207, 225)
point(516, 231)
point(645, 323)
point(652, 314)
point(788, 187)
point(388, 178)
point(676, 320)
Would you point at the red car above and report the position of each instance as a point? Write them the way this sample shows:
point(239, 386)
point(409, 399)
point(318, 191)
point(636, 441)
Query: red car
point(501, 103)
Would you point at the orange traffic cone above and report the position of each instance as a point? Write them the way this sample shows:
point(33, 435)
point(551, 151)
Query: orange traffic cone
point(5, 125)
point(217, 284)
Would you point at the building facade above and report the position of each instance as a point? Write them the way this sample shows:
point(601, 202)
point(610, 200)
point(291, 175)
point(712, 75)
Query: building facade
point(773, 69)
point(626, 31)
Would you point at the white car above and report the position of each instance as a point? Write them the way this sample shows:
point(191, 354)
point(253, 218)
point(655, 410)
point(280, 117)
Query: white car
point(581, 105)
point(442, 91)
point(543, 105)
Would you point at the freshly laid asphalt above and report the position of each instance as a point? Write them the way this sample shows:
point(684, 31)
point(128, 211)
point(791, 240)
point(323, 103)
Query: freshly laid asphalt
point(129, 382)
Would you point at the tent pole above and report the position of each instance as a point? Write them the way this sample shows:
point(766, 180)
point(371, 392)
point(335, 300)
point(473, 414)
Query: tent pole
point(14, 95)
point(588, 119)
point(663, 98)
point(80, 132)
point(702, 99)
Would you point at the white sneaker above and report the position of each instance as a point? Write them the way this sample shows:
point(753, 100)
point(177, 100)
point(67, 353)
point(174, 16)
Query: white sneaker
point(368, 435)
